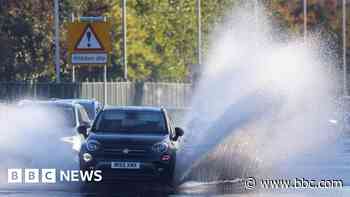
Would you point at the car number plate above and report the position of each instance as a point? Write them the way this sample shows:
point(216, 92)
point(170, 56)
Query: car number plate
point(125, 165)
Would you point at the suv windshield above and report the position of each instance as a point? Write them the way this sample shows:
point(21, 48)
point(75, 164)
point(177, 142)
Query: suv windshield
point(128, 121)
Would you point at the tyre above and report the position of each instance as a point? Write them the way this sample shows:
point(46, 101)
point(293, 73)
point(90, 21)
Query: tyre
point(87, 188)
point(169, 175)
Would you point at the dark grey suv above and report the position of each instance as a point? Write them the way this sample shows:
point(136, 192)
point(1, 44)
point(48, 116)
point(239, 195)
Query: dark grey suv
point(131, 143)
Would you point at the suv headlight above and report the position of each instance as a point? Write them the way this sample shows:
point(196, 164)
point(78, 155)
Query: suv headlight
point(92, 145)
point(87, 157)
point(161, 147)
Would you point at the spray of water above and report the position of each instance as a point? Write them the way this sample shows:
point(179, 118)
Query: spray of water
point(263, 100)
point(34, 137)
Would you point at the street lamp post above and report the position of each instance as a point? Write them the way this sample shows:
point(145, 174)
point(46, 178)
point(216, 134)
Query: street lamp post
point(73, 66)
point(57, 41)
point(256, 7)
point(199, 33)
point(125, 61)
point(344, 50)
point(305, 19)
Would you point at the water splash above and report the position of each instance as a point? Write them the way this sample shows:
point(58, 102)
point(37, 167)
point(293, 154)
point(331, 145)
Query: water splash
point(264, 99)
point(34, 137)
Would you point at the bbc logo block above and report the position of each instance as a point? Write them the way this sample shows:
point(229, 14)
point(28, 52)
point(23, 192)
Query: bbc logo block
point(14, 175)
point(31, 176)
point(48, 175)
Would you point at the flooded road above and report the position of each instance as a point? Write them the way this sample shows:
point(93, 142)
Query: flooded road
point(115, 193)
point(335, 165)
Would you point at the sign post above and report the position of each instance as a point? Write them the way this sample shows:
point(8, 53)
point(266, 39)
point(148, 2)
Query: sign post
point(57, 42)
point(89, 43)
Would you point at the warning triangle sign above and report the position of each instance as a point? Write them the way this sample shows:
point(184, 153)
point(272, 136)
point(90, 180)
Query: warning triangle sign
point(89, 41)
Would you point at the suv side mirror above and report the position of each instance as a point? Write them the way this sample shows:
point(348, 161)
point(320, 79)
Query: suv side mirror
point(82, 129)
point(178, 132)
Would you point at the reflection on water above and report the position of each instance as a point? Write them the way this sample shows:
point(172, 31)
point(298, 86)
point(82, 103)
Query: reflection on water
point(345, 192)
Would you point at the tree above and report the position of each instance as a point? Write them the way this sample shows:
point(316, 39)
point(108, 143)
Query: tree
point(161, 38)
point(25, 39)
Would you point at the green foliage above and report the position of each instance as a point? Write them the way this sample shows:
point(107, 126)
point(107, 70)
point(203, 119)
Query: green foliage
point(161, 37)
point(25, 40)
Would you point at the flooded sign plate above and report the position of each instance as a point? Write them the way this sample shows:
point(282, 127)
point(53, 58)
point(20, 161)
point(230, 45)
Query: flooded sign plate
point(89, 58)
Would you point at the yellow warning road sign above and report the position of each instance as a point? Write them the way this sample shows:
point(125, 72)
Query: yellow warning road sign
point(100, 36)
point(89, 42)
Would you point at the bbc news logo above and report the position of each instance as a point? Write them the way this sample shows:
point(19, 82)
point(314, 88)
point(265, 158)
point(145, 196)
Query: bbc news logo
point(34, 176)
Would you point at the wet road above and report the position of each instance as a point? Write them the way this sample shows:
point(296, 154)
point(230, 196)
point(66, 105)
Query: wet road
point(344, 192)
point(335, 164)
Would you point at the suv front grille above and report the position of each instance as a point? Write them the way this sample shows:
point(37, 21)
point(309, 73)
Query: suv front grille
point(130, 151)
point(125, 151)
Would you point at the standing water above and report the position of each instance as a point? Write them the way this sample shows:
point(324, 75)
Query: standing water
point(262, 106)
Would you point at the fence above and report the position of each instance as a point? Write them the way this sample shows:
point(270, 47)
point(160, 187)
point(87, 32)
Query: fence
point(171, 95)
